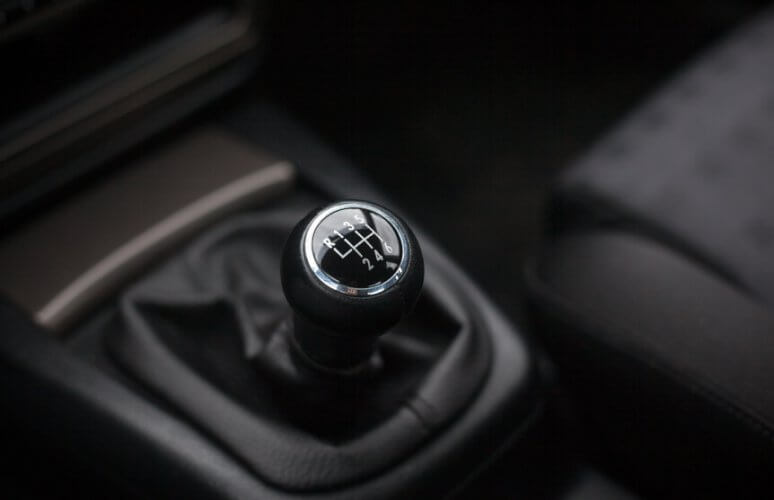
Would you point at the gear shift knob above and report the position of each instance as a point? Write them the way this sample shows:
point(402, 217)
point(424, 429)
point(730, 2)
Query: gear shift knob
point(350, 271)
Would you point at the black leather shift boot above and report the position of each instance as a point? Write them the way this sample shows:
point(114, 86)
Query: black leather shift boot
point(210, 332)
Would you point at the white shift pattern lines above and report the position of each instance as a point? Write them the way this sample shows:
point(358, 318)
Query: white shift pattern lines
point(354, 247)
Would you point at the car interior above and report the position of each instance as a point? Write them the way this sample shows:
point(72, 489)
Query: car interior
point(259, 249)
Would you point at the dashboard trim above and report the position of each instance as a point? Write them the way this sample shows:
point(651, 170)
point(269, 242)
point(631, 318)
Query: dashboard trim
point(105, 275)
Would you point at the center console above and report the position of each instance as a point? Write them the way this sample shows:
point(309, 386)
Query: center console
point(286, 333)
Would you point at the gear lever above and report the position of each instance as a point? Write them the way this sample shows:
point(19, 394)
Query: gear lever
point(350, 271)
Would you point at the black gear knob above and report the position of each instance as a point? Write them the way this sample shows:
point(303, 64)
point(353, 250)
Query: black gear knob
point(350, 271)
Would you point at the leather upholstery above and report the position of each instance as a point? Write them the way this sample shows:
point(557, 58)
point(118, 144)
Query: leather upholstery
point(694, 165)
point(656, 286)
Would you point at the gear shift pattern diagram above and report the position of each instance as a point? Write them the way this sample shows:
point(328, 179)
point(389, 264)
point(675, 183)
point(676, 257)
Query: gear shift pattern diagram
point(355, 248)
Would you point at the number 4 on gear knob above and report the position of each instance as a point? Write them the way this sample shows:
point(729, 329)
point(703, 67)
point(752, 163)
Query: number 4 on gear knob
point(350, 271)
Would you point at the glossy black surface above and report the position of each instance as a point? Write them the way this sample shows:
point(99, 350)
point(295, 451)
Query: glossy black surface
point(357, 248)
point(350, 271)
